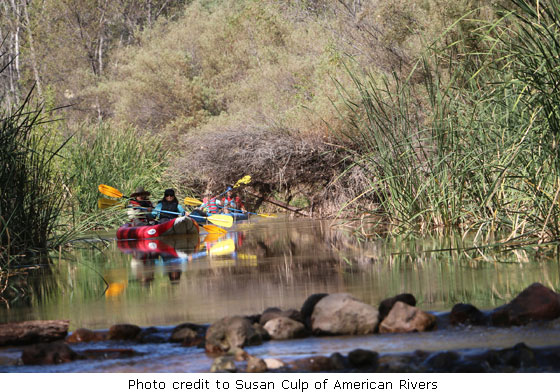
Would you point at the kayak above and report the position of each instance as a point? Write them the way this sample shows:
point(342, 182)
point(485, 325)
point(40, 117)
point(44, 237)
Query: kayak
point(182, 225)
point(165, 246)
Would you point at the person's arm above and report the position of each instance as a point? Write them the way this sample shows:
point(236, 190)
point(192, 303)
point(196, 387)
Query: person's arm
point(156, 211)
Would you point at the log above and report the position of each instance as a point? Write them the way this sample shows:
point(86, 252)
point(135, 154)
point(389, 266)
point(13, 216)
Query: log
point(28, 332)
point(279, 203)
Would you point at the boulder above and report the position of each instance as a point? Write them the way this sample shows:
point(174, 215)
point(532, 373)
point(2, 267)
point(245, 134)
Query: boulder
point(272, 313)
point(406, 318)
point(274, 364)
point(281, 328)
point(231, 332)
point(387, 304)
point(535, 303)
point(124, 332)
point(83, 335)
point(308, 306)
point(467, 314)
point(342, 314)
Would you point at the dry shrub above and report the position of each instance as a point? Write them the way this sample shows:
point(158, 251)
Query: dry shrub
point(279, 164)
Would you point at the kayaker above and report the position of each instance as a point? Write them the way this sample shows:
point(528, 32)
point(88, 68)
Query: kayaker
point(232, 200)
point(168, 203)
point(141, 216)
point(210, 204)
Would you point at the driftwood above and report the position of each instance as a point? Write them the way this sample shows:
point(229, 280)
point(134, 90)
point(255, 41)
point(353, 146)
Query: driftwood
point(28, 332)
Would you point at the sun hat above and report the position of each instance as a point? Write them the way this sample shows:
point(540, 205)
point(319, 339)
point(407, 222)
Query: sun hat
point(140, 191)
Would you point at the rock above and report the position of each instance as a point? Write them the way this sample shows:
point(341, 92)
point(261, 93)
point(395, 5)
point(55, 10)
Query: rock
point(360, 358)
point(152, 335)
point(519, 356)
point(274, 364)
point(179, 335)
point(48, 354)
point(124, 332)
point(387, 304)
point(467, 314)
point(272, 313)
point(230, 332)
point(256, 365)
point(83, 335)
point(316, 363)
point(471, 367)
point(535, 303)
point(238, 354)
point(280, 328)
point(442, 361)
point(308, 306)
point(339, 361)
point(342, 314)
point(223, 364)
point(406, 318)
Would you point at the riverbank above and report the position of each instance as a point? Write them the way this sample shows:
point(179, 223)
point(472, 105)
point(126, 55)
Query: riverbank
point(248, 343)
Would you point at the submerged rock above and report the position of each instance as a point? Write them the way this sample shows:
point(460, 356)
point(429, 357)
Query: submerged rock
point(124, 332)
point(467, 314)
point(49, 354)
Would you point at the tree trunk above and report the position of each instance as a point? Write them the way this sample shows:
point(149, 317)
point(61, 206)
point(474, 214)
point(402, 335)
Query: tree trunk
point(279, 203)
point(33, 332)
point(32, 51)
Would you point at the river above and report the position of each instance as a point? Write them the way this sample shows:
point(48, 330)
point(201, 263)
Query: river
point(273, 262)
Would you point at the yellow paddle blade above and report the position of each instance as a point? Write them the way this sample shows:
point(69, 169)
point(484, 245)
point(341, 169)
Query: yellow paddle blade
point(191, 201)
point(103, 203)
point(220, 220)
point(109, 191)
point(267, 215)
point(211, 229)
point(245, 180)
point(223, 248)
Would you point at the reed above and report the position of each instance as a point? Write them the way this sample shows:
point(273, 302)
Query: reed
point(480, 153)
point(30, 195)
point(119, 157)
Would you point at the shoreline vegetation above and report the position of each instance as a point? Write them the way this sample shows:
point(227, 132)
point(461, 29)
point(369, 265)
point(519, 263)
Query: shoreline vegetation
point(225, 341)
point(397, 117)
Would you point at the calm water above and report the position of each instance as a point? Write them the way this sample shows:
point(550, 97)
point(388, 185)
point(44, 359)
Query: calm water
point(276, 262)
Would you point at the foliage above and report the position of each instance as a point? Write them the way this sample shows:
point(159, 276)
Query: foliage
point(31, 196)
point(484, 154)
point(119, 157)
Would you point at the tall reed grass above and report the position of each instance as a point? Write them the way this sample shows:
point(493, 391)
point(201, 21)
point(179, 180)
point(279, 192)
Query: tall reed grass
point(119, 157)
point(31, 192)
point(481, 152)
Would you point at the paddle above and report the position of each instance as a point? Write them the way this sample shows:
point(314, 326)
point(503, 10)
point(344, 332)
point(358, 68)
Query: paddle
point(103, 203)
point(220, 220)
point(191, 201)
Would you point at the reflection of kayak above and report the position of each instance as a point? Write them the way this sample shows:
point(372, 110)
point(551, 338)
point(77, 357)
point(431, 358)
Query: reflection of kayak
point(238, 216)
point(154, 247)
point(181, 225)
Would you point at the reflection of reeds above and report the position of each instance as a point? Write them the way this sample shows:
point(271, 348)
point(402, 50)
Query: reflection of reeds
point(481, 153)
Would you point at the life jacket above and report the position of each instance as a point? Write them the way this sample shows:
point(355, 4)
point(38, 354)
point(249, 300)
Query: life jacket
point(168, 206)
point(211, 206)
point(232, 202)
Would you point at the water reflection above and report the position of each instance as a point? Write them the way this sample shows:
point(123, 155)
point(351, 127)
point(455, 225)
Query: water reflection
point(264, 263)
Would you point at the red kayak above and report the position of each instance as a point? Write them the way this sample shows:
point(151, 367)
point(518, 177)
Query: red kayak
point(182, 225)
